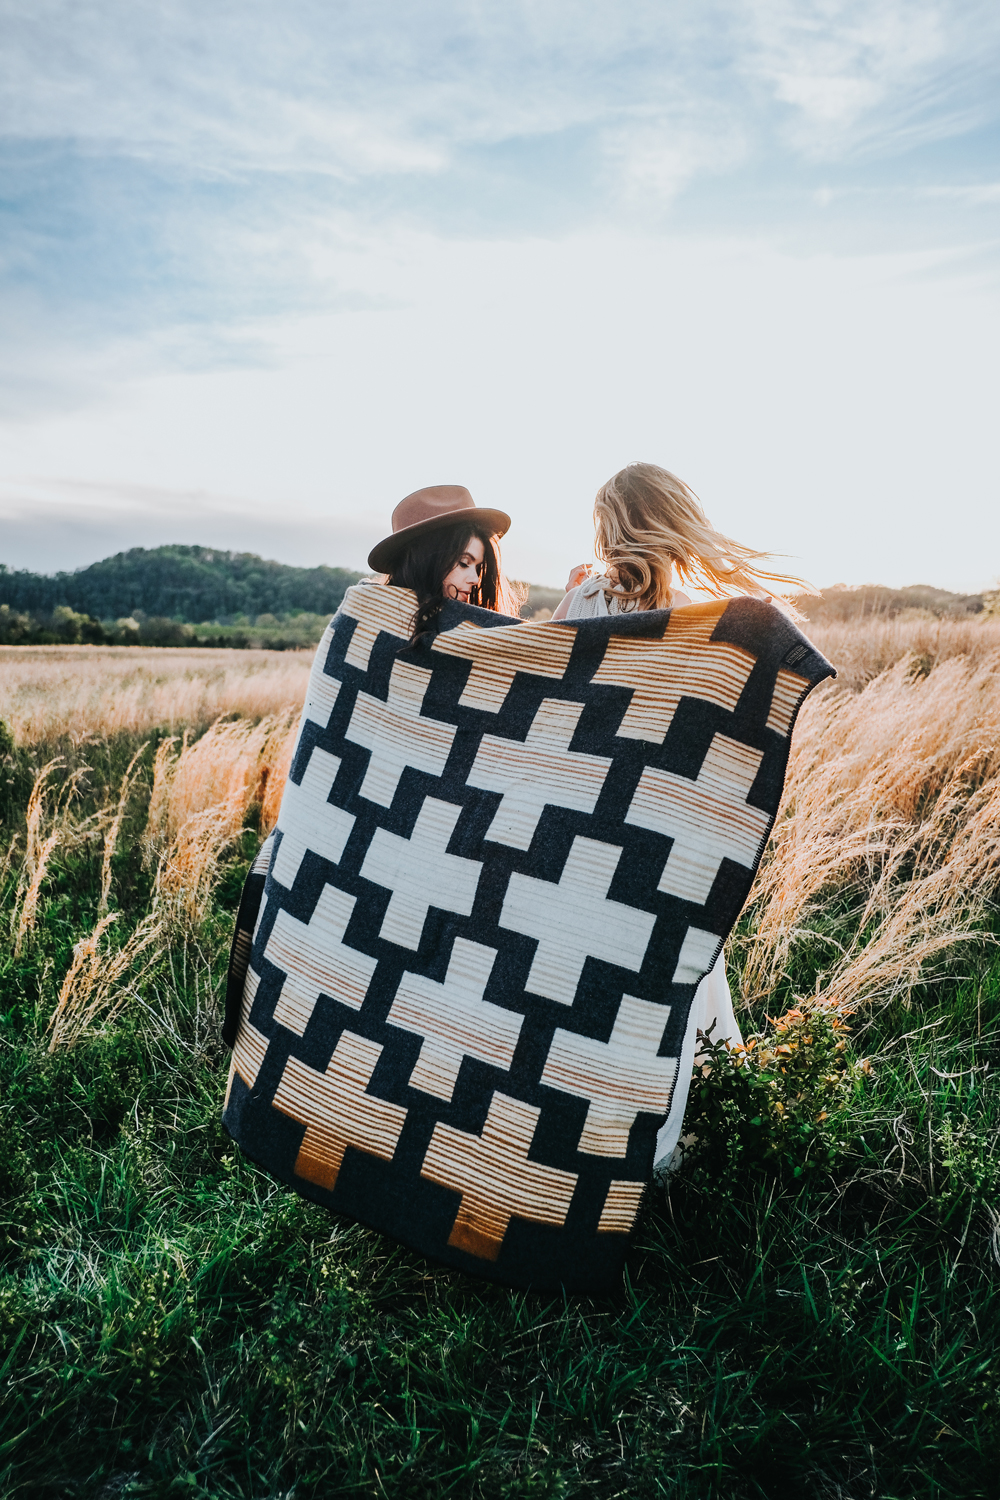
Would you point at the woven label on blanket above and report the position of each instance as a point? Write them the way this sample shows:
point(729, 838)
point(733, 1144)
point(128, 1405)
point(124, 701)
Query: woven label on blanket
point(505, 858)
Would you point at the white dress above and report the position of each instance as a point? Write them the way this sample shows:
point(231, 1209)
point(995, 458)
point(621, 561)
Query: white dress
point(712, 1004)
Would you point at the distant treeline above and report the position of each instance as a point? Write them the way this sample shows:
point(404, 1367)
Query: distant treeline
point(844, 603)
point(68, 627)
point(172, 596)
point(188, 584)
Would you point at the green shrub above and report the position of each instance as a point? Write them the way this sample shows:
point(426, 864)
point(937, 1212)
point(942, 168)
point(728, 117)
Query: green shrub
point(780, 1101)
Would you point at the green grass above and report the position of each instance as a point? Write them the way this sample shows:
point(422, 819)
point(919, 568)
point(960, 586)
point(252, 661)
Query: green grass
point(175, 1324)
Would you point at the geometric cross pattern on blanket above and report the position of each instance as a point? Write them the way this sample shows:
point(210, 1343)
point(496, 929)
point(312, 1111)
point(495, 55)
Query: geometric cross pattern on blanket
point(540, 651)
point(495, 1178)
point(697, 955)
point(684, 663)
point(618, 1077)
point(308, 821)
point(336, 1110)
point(573, 920)
point(789, 689)
point(461, 1022)
point(538, 771)
point(708, 819)
point(397, 734)
point(250, 1045)
point(323, 690)
point(421, 873)
point(454, 1019)
point(321, 701)
point(620, 1207)
point(317, 961)
point(391, 611)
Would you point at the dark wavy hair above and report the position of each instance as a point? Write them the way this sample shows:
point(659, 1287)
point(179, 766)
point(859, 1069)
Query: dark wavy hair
point(429, 559)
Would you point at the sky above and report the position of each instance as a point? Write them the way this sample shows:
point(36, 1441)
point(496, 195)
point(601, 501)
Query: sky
point(266, 268)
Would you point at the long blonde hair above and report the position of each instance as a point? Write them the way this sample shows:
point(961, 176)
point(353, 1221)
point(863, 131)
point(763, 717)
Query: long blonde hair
point(650, 526)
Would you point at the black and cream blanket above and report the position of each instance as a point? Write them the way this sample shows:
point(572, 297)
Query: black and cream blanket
point(465, 958)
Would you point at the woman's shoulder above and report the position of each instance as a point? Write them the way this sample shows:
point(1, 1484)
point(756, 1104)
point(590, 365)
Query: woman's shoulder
point(597, 596)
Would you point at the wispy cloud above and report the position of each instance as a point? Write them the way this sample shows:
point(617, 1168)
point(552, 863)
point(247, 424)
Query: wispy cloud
point(184, 169)
point(370, 90)
point(884, 76)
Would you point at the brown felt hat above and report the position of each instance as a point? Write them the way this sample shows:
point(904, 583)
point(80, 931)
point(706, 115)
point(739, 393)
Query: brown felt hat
point(427, 510)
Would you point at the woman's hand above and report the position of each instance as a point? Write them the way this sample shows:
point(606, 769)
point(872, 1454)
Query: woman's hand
point(577, 575)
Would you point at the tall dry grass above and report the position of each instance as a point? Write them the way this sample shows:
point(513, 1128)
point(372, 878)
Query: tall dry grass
point(237, 764)
point(203, 794)
point(78, 692)
point(862, 649)
point(49, 825)
point(886, 852)
point(115, 820)
point(99, 984)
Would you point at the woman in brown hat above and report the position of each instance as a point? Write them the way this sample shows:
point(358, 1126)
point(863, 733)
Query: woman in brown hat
point(443, 546)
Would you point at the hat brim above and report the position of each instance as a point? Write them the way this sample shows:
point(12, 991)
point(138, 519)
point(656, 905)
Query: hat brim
point(382, 557)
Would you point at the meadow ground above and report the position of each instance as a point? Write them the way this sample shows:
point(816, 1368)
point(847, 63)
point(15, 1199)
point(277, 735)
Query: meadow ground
point(810, 1310)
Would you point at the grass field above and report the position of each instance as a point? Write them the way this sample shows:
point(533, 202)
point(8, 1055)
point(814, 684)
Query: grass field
point(52, 694)
point(811, 1310)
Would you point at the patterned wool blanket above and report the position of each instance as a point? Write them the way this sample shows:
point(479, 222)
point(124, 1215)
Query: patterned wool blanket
point(504, 860)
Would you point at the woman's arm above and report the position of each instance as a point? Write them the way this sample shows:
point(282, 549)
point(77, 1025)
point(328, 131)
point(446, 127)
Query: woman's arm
point(576, 577)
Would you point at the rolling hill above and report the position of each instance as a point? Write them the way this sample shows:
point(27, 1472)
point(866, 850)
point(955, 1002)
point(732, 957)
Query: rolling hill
point(187, 584)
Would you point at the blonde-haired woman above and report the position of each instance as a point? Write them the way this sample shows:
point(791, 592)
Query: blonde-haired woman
point(650, 530)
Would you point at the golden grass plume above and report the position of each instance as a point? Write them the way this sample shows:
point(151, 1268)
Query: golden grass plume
point(99, 984)
point(113, 829)
point(202, 797)
point(49, 825)
point(239, 765)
